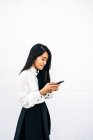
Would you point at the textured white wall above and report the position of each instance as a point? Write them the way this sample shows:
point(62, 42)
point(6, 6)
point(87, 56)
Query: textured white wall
point(66, 27)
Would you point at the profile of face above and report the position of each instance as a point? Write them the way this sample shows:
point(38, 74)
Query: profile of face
point(40, 61)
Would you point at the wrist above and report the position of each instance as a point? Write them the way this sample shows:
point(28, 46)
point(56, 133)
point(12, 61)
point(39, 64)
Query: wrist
point(42, 92)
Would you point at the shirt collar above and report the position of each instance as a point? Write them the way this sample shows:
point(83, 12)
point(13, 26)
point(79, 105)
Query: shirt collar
point(35, 72)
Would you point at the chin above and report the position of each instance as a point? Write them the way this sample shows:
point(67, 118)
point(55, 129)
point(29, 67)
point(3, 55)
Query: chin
point(41, 68)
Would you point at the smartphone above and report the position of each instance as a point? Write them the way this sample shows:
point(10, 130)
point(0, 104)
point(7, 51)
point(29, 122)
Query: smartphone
point(60, 82)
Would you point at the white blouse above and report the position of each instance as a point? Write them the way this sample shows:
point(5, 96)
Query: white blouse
point(28, 89)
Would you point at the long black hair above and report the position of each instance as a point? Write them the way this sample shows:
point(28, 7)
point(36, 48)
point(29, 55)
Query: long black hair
point(37, 50)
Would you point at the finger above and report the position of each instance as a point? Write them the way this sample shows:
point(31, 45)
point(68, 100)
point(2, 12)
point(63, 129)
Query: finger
point(58, 84)
point(51, 90)
point(53, 86)
point(52, 83)
point(54, 89)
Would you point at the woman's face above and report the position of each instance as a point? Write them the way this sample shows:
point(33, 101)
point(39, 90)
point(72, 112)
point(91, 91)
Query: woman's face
point(41, 61)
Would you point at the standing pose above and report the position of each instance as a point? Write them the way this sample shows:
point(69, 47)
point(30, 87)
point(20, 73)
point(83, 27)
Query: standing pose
point(33, 88)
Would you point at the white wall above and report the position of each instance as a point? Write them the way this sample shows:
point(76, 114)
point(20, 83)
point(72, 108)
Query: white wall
point(66, 27)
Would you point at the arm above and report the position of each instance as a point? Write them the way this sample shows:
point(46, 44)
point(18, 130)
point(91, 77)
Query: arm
point(46, 91)
point(27, 99)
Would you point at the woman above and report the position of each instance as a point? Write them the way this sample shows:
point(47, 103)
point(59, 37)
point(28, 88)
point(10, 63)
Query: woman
point(33, 88)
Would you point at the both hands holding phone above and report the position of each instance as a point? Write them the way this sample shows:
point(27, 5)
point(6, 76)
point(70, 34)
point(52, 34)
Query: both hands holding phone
point(50, 87)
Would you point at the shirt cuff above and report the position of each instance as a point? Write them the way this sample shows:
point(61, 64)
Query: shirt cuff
point(36, 96)
point(48, 95)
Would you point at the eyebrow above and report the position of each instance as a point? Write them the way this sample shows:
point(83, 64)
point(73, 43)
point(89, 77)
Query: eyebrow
point(45, 57)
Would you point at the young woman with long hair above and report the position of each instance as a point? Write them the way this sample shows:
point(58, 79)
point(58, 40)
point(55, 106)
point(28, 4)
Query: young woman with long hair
point(33, 88)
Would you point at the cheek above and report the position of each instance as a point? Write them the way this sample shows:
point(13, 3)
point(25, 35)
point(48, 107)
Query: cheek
point(38, 62)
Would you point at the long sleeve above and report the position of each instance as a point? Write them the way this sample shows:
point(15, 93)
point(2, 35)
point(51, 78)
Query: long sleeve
point(48, 96)
point(28, 96)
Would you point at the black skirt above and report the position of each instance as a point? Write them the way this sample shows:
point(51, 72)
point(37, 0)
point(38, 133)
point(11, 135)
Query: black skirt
point(34, 123)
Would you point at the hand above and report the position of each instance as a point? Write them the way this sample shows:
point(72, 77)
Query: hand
point(49, 87)
point(57, 86)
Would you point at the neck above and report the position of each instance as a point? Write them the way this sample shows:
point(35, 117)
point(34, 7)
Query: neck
point(35, 67)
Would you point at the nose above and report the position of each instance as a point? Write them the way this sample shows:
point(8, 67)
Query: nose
point(44, 62)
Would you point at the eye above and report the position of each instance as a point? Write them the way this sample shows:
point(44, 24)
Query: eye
point(43, 59)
